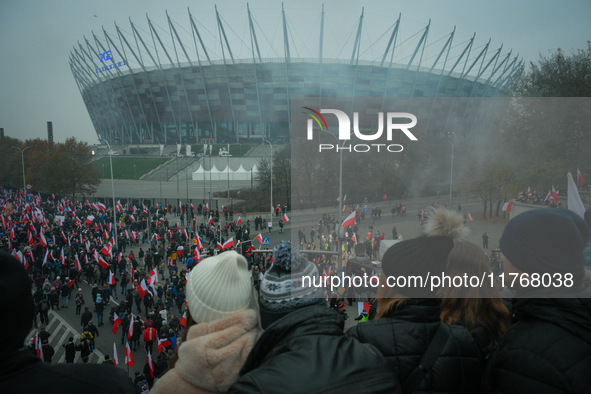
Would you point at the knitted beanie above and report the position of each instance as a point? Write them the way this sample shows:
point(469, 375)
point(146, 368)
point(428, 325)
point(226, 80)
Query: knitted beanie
point(546, 241)
point(218, 287)
point(425, 255)
point(282, 289)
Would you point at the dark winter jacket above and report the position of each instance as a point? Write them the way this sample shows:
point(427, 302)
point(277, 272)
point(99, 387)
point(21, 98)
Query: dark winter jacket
point(70, 351)
point(25, 373)
point(307, 352)
point(546, 350)
point(404, 336)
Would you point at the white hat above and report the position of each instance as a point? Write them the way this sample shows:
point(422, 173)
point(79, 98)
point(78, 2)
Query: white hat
point(219, 286)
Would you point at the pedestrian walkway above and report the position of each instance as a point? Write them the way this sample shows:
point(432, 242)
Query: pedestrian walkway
point(60, 331)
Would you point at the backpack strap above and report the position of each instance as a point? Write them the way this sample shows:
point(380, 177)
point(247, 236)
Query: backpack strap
point(429, 357)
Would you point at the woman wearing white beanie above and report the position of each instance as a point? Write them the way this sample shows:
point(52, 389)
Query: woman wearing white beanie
point(221, 327)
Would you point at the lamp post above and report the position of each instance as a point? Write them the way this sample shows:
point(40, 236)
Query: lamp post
point(113, 190)
point(451, 177)
point(271, 145)
point(340, 237)
point(23, 161)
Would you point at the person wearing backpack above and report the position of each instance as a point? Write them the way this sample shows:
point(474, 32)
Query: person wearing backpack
point(43, 308)
point(79, 301)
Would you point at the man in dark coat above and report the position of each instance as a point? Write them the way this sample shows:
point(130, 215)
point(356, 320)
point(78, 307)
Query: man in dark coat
point(85, 317)
point(547, 348)
point(70, 348)
point(303, 348)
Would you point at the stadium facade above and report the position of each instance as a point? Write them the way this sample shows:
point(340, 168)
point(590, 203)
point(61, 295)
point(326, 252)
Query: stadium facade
point(151, 87)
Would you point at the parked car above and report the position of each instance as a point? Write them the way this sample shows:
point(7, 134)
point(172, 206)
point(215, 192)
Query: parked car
point(113, 153)
point(225, 153)
point(197, 155)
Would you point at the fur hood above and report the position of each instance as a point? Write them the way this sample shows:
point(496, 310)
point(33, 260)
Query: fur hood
point(211, 357)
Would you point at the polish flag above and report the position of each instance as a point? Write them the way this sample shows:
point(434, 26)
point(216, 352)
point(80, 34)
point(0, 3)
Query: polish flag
point(469, 217)
point(507, 207)
point(239, 220)
point(181, 205)
point(39, 347)
point(349, 221)
point(150, 365)
point(354, 239)
point(133, 235)
point(198, 241)
point(385, 197)
point(101, 206)
point(185, 234)
point(162, 343)
point(42, 240)
point(77, 263)
point(285, 218)
point(196, 254)
point(130, 331)
point(192, 207)
point(206, 206)
point(554, 195)
point(220, 246)
point(102, 262)
point(62, 257)
point(71, 283)
point(228, 244)
point(344, 208)
point(89, 219)
point(529, 191)
point(580, 179)
point(143, 289)
point(115, 356)
point(210, 221)
point(128, 356)
point(116, 322)
point(111, 279)
point(259, 238)
point(153, 276)
point(184, 319)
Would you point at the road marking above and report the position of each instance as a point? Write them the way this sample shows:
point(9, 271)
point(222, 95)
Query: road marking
point(54, 327)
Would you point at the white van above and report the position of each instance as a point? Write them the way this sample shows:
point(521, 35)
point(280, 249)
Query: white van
point(112, 153)
point(225, 153)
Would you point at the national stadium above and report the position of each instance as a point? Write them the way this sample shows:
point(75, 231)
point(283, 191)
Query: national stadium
point(184, 83)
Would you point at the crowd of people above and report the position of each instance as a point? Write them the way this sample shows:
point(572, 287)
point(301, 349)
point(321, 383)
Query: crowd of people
point(249, 325)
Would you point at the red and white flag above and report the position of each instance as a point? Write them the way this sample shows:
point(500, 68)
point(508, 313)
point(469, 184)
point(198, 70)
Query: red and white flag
point(128, 356)
point(349, 221)
point(89, 219)
point(111, 279)
point(259, 238)
point(101, 206)
point(71, 283)
point(239, 220)
point(285, 218)
point(554, 195)
point(143, 289)
point(210, 221)
point(196, 254)
point(228, 244)
point(39, 347)
point(162, 343)
point(62, 256)
point(469, 217)
point(150, 365)
point(116, 322)
point(354, 239)
point(344, 208)
point(42, 240)
point(102, 262)
point(198, 241)
point(529, 191)
point(508, 206)
point(130, 331)
point(115, 356)
point(184, 319)
point(192, 207)
point(580, 179)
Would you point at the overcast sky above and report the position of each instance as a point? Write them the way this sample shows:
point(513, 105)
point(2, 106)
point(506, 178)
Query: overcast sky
point(36, 37)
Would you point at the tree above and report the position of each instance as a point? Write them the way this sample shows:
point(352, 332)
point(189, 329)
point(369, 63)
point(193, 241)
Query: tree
point(53, 168)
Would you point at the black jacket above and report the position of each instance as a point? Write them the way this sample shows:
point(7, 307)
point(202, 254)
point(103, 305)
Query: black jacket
point(307, 352)
point(404, 336)
point(546, 350)
point(24, 373)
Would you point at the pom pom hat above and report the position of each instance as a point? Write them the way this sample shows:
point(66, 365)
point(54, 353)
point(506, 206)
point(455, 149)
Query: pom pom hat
point(281, 289)
point(425, 254)
point(218, 287)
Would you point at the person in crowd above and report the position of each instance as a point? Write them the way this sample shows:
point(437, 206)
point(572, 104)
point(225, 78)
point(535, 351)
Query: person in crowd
point(20, 370)
point(79, 301)
point(303, 348)
point(479, 309)
point(70, 349)
point(425, 354)
point(547, 347)
point(220, 298)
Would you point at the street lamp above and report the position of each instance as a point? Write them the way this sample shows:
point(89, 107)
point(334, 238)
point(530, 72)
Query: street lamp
point(271, 145)
point(451, 177)
point(23, 161)
point(340, 234)
point(113, 190)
